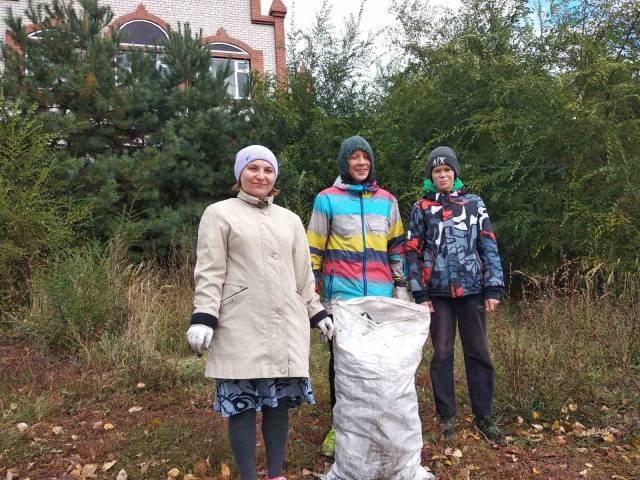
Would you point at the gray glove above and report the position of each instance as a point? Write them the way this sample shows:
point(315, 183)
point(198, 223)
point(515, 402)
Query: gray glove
point(402, 293)
point(326, 327)
point(199, 338)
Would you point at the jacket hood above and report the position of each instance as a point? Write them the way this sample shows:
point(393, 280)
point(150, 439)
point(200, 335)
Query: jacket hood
point(349, 146)
point(356, 187)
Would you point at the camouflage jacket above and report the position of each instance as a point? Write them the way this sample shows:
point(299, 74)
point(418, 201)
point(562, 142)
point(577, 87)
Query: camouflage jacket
point(451, 248)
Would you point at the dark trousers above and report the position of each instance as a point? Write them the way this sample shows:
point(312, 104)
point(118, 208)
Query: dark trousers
point(469, 315)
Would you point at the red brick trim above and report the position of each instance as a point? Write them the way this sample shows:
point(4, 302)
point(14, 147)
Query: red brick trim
point(255, 57)
point(140, 13)
point(277, 13)
point(10, 41)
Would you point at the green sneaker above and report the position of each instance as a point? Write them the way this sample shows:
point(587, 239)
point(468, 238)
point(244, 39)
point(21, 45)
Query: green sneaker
point(490, 431)
point(329, 444)
point(448, 427)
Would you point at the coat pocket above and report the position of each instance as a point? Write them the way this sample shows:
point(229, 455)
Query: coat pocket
point(230, 292)
point(378, 226)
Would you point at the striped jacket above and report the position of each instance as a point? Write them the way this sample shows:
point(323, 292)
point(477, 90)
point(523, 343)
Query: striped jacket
point(357, 242)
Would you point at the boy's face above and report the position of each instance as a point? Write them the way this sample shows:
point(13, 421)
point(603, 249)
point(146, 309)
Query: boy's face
point(442, 177)
point(359, 166)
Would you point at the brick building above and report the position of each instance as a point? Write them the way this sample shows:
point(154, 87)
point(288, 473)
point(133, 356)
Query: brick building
point(234, 31)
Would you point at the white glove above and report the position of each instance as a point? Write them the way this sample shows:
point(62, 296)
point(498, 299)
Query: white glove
point(402, 293)
point(199, 338)
point(326, 327)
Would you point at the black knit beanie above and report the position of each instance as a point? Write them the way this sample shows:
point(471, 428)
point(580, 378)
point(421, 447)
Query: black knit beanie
point(443, 156)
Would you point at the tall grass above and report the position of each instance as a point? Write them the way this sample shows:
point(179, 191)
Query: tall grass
point(93, 305)
point(573, 338)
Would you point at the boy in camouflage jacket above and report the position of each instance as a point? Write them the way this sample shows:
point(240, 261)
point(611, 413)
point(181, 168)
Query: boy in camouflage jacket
point(455, 272)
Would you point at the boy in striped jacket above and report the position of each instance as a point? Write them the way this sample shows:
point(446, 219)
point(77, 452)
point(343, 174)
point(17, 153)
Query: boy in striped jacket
point(356, 239)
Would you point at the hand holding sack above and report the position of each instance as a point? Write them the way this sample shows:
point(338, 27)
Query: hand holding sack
point(402, 293)
point(326, 327)
point(199, 338)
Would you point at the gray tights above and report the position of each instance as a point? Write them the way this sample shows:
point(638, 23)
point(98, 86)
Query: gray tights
point(242, 437)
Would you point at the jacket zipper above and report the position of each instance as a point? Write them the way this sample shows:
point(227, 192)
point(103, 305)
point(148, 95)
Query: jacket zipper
point(364, 246)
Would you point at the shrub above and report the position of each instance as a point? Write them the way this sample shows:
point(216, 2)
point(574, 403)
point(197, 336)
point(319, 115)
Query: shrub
point(77, 298)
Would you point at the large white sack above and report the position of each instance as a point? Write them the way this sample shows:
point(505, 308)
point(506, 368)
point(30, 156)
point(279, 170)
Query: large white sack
point(377, 349)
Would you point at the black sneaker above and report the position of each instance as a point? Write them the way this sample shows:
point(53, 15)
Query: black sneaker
point(490, 431)
point(448, 427)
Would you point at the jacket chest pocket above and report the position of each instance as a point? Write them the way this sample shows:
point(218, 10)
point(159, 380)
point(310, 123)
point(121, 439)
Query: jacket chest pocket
point(379, 227)
point(346, 227)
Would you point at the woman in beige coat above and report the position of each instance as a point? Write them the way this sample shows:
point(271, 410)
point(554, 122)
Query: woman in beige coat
point(255, 289)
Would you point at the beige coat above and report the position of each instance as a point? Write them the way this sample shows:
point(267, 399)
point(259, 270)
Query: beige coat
point(253, 273)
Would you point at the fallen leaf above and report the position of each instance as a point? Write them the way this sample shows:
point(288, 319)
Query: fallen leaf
point(626, 459)
point(535, 471)
point(608, 437)
point(190, 476)
point(108, 426)
point(22, 427)
point(537, 427)
point(225, 471)
point(450, 452)
point(122, 475)
point(108, 465)
point(13, 406)
point(97, 424)
point(140, 385)
point(584, 472)
point(135, 409)
point(520, 420)
point(74, 437)
point(465, 474)
point(173, 473)
point(588, 465)
point(535, 415)
point(200, 468)
point(57, 430)
point(573, 407)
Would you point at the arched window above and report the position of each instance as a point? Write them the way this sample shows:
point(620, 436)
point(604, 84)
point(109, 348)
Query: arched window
point(223, 57)
point(142, 34)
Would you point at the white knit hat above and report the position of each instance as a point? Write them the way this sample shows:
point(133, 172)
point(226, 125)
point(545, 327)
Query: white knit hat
point(253, 152)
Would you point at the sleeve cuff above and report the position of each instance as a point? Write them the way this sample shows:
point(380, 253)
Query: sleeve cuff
point(492, 293)
point(317, 317)
point(201, 318)
point(421, 296)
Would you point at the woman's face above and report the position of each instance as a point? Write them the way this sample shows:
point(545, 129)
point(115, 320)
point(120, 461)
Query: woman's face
point(257, 179)
point(442, 177)
point(359, 166)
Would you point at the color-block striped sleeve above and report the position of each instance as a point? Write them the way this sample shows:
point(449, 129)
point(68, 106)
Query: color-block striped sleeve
point(318, 234)
point(395, 243)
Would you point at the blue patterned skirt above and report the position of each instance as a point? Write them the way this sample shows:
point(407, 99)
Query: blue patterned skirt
point(237, 396)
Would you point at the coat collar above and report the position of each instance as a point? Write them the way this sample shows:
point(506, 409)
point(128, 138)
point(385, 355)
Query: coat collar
point(358, 187)
point(254, 201)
